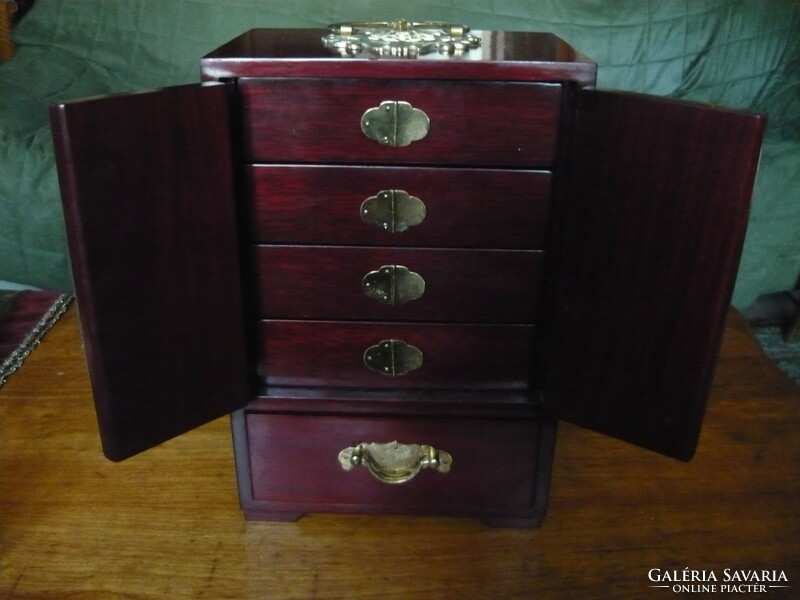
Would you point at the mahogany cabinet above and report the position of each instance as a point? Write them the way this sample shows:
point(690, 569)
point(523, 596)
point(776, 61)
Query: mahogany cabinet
point(398, 257)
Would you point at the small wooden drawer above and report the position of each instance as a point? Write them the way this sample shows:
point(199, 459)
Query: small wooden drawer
point(337, 354)
point(475, 208)
point(470, 123)
point(294, 464)
point(398, 284)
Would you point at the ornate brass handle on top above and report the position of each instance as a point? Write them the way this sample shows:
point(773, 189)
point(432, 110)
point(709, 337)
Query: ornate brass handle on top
point(399, 25)
point(395, 462)
point(395, 123)
point(393, 284)
point(400, 39)
point(393, 210)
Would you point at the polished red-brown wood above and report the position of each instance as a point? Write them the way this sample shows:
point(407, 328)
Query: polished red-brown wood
point(648, 238)
point(167, 524)
point(293, 466)
point(502, 56)
point(331, 353)
point(617, 235)
point(326, 282)
point(471, 123)
point(455, 402)
point(147, 185)
point(465, 208)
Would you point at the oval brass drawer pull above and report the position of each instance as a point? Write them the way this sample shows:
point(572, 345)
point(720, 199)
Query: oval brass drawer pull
point(395, 123)
point(393, 284)
point(395, 462)
point(393, 210)
point(393, 357)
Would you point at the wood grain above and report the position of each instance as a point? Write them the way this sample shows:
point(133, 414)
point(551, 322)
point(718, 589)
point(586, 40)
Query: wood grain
point(319, 120)
point(280, 443)
point(166, 524)
point(473, 208)
point(147, 186)
point(455, 356)
point(467, 286)
point(647, 241)
point(502, 56)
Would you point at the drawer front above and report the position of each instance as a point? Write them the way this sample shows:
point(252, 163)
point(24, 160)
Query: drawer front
point(398, 284)
point(294, 459)
point(470, 123)
point(335, 354)
point(475, 208)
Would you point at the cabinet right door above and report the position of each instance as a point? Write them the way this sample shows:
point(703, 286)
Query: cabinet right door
point(649, 235)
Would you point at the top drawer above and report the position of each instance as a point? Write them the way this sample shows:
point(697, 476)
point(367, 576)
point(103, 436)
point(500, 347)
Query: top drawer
point(468, 123)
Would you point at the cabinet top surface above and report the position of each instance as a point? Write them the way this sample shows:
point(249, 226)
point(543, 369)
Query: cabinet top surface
point(314, 53)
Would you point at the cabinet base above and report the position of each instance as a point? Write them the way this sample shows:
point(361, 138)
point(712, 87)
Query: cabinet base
point(273, 515)
point(287, 463)
point(529, 522)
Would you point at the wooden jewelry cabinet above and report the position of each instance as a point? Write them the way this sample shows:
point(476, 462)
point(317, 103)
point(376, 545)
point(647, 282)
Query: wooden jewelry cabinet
point(398, 254)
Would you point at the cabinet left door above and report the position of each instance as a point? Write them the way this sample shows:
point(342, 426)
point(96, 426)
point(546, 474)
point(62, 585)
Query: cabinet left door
point(147, 183)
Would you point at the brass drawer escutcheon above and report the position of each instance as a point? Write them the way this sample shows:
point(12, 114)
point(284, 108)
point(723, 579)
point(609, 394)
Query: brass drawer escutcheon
point(395, 123)
point(393, 357)
point(395, 462)
point(393, 210)
point(393, 284)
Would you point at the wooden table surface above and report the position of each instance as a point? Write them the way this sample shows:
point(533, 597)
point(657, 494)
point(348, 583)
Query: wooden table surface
point(166, 524)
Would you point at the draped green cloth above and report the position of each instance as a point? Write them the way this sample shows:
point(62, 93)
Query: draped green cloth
point(738, 53)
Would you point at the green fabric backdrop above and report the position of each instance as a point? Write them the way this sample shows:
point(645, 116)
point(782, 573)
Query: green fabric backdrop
point(743, 54)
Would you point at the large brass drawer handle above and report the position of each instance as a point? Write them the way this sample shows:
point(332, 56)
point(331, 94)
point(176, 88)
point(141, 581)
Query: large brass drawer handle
point(393, 357)
point(395, 123)
point(393, 210)
point(393, 284)
point(395, 462)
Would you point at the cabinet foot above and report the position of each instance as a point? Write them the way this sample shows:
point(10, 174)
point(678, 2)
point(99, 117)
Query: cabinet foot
point(268, 515)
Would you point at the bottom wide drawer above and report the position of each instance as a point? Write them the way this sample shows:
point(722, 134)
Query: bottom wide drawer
point(302, 463)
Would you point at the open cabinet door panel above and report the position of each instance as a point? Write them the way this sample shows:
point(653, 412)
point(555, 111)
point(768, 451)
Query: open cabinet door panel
point(147, 186)
point(649, 235)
